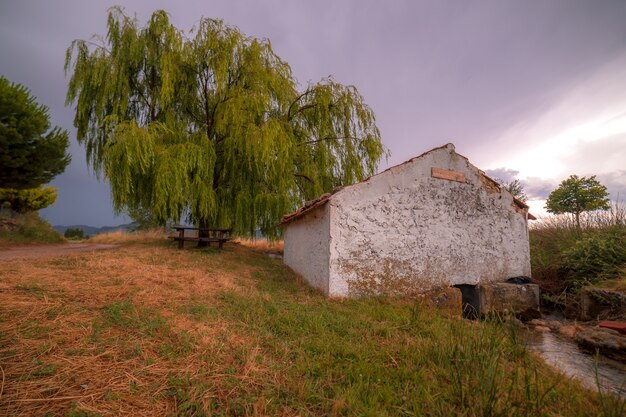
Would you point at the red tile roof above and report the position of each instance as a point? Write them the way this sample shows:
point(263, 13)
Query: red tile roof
point(311, 205)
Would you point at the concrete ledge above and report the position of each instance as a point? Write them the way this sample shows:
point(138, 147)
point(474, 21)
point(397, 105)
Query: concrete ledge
point(504, 298)
point(521, 300)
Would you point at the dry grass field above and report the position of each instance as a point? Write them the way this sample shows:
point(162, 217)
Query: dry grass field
point(149, 330)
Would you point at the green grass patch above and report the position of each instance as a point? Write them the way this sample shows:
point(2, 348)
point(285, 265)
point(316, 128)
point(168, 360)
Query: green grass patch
point(70, 262)
point(137, 324)
point(35, 290)
point(209, 250)
point(304, 354)
point(34, 330)
point(42, 369)
point(195, 310)
point(124, 315)
point(177, 345)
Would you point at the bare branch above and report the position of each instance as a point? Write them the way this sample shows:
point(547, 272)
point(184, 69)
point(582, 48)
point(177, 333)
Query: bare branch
point(329, 138)
point(305, 177)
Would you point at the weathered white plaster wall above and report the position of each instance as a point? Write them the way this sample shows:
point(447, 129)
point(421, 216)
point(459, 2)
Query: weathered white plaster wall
point(411, 232)
point(307, 243)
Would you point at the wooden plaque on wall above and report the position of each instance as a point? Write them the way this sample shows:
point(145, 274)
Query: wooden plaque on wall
point(446, 174)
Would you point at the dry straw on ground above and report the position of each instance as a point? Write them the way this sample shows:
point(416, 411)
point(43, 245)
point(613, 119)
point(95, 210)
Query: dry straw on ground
point(57, 349)
point(121, 236)
point(263, 245)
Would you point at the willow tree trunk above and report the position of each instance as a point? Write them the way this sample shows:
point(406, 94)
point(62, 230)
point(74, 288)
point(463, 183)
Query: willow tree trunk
point(203, 224)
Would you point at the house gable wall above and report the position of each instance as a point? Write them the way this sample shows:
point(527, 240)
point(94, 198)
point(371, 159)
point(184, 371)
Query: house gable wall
point(407, 231)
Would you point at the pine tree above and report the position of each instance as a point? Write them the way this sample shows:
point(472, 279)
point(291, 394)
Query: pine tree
point(31, 152)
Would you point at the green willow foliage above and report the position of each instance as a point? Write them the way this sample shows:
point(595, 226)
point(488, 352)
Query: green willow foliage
point(212, 125)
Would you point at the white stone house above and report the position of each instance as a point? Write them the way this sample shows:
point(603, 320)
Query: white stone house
point(433, 221)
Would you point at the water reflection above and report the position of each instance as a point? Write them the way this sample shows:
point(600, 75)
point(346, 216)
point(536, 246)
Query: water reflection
point(565, 355)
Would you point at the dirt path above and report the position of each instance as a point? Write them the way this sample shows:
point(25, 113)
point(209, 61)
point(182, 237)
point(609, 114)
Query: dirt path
point(45, 251)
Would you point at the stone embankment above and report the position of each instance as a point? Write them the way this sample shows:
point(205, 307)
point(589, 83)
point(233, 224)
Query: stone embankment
point(600, 320)
point(602, 303)
point(605, 340)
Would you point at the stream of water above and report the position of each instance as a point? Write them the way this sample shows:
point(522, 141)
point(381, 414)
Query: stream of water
point(565, 355)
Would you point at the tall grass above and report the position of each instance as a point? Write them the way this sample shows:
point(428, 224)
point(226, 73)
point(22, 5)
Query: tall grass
point(564, 256)
point(264, 245)
point(121, 236)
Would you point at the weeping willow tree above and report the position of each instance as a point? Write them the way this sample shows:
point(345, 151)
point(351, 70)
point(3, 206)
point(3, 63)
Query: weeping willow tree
point(211, 124)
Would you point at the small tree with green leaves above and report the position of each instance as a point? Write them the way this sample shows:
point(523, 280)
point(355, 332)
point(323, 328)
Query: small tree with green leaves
point(212, 125)
point(514, 187)
point(31, 152)
point(576, 195)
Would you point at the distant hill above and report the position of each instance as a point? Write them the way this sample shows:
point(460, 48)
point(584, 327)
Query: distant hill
point(91, 230)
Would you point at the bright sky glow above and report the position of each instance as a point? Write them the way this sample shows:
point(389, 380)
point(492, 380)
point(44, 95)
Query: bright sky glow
point(565, 140)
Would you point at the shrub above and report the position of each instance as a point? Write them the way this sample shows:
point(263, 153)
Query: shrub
point(74, 233)
point(595, 258)
point(24, 201)
point(564, 256)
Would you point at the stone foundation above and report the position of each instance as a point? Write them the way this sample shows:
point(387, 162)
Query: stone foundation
point(600, 303)
point(501, 298)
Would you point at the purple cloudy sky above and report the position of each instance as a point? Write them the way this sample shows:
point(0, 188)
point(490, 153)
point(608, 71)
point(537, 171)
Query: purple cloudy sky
point(533, 89)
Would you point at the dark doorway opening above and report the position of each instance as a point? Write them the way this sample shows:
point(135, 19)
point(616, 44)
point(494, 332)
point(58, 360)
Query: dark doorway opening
point(470, 299)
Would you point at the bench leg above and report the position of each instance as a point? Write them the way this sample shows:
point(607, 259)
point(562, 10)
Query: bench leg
point(181, 239)
point(221, 243)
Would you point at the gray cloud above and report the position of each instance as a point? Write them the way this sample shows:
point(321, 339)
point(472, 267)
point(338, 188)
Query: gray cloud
point(538, 188)
point(503, 174)
point(615, 183)
point(535, 188)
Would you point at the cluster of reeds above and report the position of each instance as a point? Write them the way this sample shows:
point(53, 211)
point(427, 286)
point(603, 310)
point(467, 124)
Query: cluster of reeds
point(262, 244)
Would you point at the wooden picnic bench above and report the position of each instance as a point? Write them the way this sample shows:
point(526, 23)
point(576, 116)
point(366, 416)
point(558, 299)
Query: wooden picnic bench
point(210, 235)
